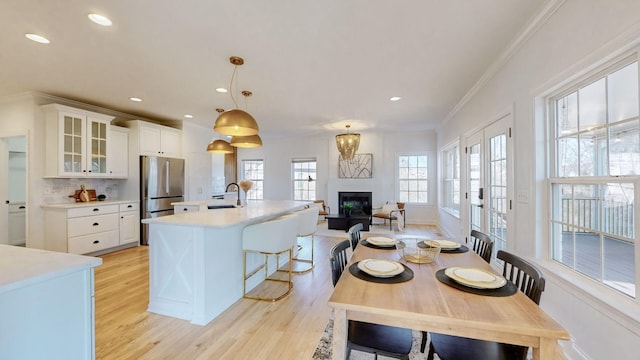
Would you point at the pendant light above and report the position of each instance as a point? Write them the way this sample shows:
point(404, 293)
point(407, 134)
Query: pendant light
point(249, 141)
point(220, 146)
point(348, 144)
point(235, 122)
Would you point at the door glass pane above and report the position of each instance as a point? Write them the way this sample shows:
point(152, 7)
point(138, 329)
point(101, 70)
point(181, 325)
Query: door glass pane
point(498, 191)
point(474, 187)
point(77, 148)
point(68, 162)
point(103, 148)
point(68, 125)
point(77, 126)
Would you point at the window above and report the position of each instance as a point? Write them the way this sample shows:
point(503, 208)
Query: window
point(412, 178)
point(594, 176)
point(254, 170)
point(451, 178)
point(304, 179)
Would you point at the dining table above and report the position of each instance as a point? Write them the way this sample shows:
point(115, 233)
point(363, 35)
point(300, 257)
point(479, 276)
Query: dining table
point(427, 304)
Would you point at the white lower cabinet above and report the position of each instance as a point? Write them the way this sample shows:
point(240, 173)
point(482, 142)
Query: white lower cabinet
point(91, 228)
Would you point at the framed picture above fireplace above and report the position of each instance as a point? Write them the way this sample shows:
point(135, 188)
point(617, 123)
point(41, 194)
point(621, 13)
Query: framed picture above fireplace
point(358, 168)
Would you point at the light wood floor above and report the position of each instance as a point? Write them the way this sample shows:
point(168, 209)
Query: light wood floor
point(249, 329)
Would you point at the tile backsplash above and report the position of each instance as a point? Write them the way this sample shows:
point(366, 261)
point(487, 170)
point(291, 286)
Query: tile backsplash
point(57, 191)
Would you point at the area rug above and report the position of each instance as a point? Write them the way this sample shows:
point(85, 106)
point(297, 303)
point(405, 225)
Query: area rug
point(323, 350)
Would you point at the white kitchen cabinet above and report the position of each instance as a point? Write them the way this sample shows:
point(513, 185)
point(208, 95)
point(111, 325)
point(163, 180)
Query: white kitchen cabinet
point(46, 304)
point(129, 223)
point(155, 140)
point(177, 209)
point(119, 153)
point(84, 228)
point(76, 142)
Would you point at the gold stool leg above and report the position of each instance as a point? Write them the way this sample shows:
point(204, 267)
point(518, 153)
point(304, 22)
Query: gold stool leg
point(309, 261)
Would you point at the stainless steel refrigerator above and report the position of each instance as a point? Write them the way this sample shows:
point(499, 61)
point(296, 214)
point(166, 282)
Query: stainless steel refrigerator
point(161, 184)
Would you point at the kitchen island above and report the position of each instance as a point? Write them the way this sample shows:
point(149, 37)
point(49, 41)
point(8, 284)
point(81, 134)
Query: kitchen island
point(46, 304)
point(195, 258)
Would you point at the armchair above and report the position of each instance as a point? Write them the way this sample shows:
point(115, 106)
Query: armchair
point(324, 209)
point(390, 211)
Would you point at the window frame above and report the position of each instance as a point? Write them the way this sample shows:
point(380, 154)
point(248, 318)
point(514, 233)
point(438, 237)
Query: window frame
point(305, 182)
point(446, 152)
point(592, 75)
point(258, 182)
point(399, 180)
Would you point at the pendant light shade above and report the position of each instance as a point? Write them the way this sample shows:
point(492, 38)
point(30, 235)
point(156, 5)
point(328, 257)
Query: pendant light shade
point(348, 144)
point(236, 122)
point(220, 147)
point(251, 141)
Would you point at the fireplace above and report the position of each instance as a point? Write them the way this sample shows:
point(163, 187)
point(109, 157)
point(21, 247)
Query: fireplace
point(360, 200)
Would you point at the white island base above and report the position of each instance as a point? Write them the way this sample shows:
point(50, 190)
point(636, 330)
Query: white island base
point(195, 259)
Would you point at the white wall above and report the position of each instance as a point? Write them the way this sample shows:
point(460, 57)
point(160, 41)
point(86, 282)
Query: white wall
point(385, 147)
point(195, 139)
point(578, 30)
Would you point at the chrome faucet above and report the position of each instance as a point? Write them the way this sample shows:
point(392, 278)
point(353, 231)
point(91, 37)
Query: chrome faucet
point(237, 190)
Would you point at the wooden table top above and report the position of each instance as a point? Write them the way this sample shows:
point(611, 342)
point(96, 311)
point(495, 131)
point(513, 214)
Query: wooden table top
point(424, 303)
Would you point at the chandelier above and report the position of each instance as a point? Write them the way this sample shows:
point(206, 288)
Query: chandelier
point(235, 122)
point(348, 144)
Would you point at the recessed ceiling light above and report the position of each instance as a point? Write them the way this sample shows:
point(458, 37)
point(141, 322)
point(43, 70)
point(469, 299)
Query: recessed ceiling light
point(395, 98)
point(37, 38)
point(189, 116)
point(221, 90)
point(135, 99)
point(100, 19)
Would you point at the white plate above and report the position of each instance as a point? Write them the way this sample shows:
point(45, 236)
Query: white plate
point(445, 244)
point(475, 278)
point(381, 241)
point(380, 268)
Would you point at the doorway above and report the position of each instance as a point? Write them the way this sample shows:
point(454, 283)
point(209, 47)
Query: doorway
point(13, 190)
point(489, 181)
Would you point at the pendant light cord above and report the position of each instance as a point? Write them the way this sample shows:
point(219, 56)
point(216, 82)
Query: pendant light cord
point(235, 67)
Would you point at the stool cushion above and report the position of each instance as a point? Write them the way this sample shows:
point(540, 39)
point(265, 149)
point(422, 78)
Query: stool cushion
point(271, 236)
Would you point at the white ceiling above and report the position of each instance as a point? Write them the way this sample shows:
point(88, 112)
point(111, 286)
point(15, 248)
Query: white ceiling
point(312, 65)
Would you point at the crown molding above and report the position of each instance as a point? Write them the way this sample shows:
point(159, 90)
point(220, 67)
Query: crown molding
point(523, 35)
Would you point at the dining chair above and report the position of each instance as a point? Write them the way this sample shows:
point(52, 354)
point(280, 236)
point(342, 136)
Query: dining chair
point(375, 339)
point(354, 234)
point(482, 245)
point(528, 279)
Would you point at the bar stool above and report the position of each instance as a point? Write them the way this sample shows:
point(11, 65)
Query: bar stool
point(274, 237)
point(307, 224)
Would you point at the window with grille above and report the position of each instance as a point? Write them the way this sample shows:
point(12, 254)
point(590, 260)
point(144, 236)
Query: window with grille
point(451, 178)
point(413, 178)
point(304, 179)
point(254, 170)
point(594, 175)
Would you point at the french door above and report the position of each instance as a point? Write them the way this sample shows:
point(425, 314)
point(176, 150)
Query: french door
point(489, 182)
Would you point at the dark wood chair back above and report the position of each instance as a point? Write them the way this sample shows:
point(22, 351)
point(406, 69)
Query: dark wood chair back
point(482, 245)
point(523, 274)
point(338, 259)
point(354, 235)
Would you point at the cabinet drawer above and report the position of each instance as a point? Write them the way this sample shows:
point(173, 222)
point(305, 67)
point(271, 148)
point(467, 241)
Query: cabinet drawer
point(90, 243)
point(177, 209)
point(129, 207)
point(92, 210)
point(92, 224)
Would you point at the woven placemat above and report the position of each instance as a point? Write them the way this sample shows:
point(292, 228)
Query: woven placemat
point(406, 275)
point(508, 289)
point(368, 244)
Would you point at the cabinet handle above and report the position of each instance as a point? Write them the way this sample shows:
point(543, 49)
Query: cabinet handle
point(185, 209)
point(121, 217)
point(96, 241)
point(22, 207)
point(95, 224)
point(129, 206)
point(96, 209)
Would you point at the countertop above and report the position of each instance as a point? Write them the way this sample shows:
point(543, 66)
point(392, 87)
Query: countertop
point(256, 210)
point(71, 205)
point(20, 267)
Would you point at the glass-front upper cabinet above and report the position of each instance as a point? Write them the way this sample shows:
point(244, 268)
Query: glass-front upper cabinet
point(77, 142)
